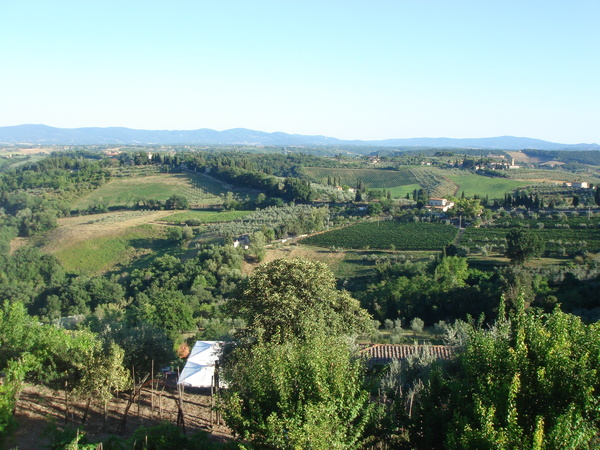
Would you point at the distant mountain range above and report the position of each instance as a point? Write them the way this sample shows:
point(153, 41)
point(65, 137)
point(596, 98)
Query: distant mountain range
point(45, 135)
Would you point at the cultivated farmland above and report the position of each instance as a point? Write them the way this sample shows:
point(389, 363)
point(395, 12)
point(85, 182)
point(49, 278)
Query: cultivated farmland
point(103, 253)
point(372, 178)
point(95, 243)
point(206, 216)
point(199, 189)
point(384, 235)
point(472, 184)
point(561, 237)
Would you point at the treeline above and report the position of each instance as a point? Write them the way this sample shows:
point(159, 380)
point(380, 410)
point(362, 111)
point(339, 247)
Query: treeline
point(572, 157)
point(525, 379)
point(240, 172)
point(447, 289)
point(169, 294)
point(60, 171)
point(33, 195)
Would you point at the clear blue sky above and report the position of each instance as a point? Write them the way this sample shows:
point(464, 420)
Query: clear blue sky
point(347, 69)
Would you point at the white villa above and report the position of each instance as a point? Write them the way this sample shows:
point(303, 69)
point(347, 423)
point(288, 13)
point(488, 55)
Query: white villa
point(441, 204)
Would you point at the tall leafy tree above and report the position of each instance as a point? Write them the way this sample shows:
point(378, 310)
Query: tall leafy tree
point(295, 382)
point(522, 245)
point(301, 393)
point(282, 292)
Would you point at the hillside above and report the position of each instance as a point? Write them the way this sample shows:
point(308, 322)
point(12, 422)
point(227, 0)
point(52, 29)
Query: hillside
point(45, 135)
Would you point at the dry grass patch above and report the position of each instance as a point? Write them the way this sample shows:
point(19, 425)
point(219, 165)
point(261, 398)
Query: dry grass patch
point(17, 243)
point(34, 151)
point(290, 252)
point(73, 230)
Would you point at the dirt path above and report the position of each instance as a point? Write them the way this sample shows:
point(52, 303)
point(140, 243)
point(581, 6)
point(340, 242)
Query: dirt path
point(459, 236)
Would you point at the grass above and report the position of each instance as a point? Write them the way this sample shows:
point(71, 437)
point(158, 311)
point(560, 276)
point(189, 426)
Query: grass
point(473, 184)
point(199, 189)
point(401, 191)
point(206, 216)
point(99, 255)
point(373, 178)
point(353, 266)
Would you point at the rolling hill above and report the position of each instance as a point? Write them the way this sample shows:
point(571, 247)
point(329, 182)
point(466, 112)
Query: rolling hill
point(46, 135)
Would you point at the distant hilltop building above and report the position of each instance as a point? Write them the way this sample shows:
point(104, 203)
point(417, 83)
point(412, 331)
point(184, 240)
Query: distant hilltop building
point(440, 204)
point(577, 185)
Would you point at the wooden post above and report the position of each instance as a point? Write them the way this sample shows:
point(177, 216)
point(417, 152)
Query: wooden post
point(87, 409)
point(180, 416)
point(135, 391)
point(216, 384)
point(138, 404)
point(152, 390)
point(212, 406)
point(66, 401)
point(105, 415)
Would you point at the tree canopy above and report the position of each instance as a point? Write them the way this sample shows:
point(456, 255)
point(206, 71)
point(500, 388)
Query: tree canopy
point(529, 381)
point(522, 245)
point(297, 382)
point(302, 393)
point(288, 297)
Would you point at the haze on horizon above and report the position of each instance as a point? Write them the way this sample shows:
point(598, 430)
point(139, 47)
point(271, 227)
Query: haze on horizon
point(344, 69)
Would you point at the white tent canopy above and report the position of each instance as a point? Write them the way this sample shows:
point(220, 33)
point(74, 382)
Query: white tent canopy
point(200, 366)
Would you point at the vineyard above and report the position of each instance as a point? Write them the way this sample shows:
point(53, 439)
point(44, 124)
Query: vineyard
point(387, 235)
point(494, 188)
point(434, 181)
point(125, 191)
point(372, 178)
point(205, 216)
point(120, 248)
point(551, 175)
point(562, 237)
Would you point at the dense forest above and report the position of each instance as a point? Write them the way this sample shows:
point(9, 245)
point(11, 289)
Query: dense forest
point(509, 282)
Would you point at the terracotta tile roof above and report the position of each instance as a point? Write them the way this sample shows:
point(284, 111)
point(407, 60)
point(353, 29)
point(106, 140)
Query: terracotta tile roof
point(385, 353)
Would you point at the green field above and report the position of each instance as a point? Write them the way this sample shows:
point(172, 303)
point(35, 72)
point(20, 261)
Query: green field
point(197, 188)
point(483, 186)
point(552, 175)
point(384, 235)
point(96, 256)
point(437, 182)
point(206, 216)
point(372, 178)
point(401, 191)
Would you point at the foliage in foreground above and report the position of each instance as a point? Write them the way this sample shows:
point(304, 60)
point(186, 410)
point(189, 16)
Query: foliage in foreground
point(531, 381)
point(294, 381)
point(165, 436)
point(302, 393)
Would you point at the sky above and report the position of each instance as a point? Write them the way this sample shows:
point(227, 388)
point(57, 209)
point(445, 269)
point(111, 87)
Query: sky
point(346, 69)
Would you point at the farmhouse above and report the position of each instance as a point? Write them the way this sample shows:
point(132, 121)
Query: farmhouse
point(243, 241)
point(349, 189)
point(577, 185)
point(386, 353)
point(440, 204)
